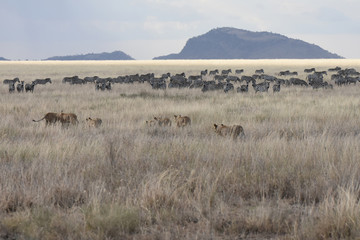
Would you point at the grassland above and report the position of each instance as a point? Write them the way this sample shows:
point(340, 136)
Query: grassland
point(296, 175)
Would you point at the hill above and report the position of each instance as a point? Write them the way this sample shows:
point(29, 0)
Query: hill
point(3, 59)
point(117, 55)
point(232, 43)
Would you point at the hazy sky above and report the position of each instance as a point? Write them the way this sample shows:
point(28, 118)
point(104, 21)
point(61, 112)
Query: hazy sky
point(37, 29)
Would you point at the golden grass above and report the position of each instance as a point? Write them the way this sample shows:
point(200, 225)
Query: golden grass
point(295, 174)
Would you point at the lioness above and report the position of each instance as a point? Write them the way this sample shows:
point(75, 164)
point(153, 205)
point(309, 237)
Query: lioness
point(68, 118)
point(182, 121)
point(163, 121)
point(231, 131)
point(50, 118)
point(94, 122)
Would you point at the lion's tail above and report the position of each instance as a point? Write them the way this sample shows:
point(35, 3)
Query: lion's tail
point(38, 120)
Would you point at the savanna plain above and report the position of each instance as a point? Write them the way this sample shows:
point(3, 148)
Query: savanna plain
point(295, 174)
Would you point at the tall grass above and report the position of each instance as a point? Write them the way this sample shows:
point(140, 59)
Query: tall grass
point(295, 175)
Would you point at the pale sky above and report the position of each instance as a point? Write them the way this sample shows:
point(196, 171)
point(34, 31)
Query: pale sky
point(144, 29)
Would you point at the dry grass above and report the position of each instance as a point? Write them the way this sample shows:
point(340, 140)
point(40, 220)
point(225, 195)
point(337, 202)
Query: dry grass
point(294, 176)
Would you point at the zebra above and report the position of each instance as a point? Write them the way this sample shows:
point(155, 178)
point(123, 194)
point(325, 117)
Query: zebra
point(203, 73)
point(158, 83)
point(42, 81)
point(11, 87)
point(334, 69)
point(243, 88)
point(309, 70)
point(11, 81)
point(29, 87)
point(261, 87)
point(226, 72)
point(298, 81)
point(20, 87)
point(276, 88)
point(228, 86)
point(247, 79)
point(214, 72)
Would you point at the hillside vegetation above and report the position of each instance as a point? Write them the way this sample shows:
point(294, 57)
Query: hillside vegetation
point(295, 174)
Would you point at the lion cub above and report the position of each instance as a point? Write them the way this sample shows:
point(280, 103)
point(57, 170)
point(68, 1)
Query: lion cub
point(94, 122)
point(150, 123)
point(231, 131)
point(163, 121)
point(182, 121)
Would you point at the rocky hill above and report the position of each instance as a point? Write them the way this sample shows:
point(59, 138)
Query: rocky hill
point(117, 55)
point(232, 43)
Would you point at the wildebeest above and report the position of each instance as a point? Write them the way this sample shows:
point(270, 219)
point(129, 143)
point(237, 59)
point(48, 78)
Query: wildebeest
point(20, 87)
point(239, 71)
point(259, 71)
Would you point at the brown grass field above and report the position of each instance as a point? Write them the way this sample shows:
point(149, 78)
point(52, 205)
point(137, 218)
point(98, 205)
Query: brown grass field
point(295, 175)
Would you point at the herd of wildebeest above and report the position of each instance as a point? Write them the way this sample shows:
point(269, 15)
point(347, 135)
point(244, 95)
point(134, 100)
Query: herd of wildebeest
point(206, 81)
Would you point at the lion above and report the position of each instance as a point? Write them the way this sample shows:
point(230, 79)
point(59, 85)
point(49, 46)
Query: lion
point(68, 118)
point(182, 121)
point(231, 131)
point(50, 118)
point(163, 121)
point(94, 122)
point(150, 123)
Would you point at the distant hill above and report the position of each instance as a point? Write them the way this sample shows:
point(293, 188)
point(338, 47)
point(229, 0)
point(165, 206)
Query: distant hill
point(117, 55)
point(3, 59)
point(232, 43)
